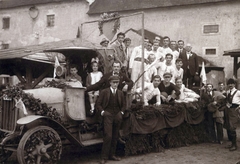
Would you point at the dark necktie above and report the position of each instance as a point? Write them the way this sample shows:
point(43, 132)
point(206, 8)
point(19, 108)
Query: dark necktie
point(229, 97)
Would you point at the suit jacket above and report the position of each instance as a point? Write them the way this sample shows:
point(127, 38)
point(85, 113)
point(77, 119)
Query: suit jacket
point(183, 51)
point(120, 53)
point(104, 96)
point(216, 96)
point(104, 83)
point(192, 62)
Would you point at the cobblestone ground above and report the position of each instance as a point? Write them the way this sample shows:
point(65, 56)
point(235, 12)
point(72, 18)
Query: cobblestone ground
point(207, 153)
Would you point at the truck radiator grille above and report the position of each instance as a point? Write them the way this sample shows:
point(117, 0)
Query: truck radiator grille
point(8, 115)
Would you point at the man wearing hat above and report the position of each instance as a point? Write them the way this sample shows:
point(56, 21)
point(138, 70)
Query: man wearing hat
point(111, 104)
point(232, 112)
point(104, 43)
point(168, 90)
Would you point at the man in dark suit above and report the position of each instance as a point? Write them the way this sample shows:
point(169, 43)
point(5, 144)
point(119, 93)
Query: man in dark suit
point(181, 48)
point(111, 103)
point(125, 84)
point(190, 66)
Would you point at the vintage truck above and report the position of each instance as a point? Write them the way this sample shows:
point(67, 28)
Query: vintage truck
point(39, 138)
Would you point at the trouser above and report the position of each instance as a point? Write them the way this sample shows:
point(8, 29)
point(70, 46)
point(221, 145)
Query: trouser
point(111, 125)
point(210, 126)
point(233, 136)
point(188, 79)
point(231, 119)
point(229, 135)
point(219, 127)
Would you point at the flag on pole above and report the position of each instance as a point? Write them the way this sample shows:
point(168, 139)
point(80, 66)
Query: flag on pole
point(203, 74)
point(55, 66)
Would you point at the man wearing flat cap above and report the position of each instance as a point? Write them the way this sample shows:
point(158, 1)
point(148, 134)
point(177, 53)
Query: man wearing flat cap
point(169, 91)
point(232, 112)
point(111, 104)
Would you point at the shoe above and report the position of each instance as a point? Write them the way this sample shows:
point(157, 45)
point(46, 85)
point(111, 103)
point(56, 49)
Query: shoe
point(228, 146)
point(121, 141)
point(220, 142)
point(114, 158)
point(103, 161)
point(233, 148)
point(213, 141)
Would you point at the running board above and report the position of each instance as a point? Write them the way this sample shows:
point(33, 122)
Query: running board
point(92, 141)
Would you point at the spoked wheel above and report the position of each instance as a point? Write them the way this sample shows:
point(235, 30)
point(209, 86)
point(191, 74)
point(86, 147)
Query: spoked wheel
point(40, 145)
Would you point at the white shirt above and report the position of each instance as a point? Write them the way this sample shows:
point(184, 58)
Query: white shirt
point(163, 68)
point(137, 52)
point(113, 90)
point(177, 73)
point(150, 92)
point(165, 51)
point(175, 54)
point(236, 97)
point(152, 71)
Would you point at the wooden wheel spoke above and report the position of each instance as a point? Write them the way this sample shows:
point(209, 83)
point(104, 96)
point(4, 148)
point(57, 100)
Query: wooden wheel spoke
point(38, 159)
point(47, 156)
point(48, 145)
point(34, 152)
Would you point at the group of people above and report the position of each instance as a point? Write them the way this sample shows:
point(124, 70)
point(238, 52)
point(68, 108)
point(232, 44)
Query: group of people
point(169, 72)
point(222, 111)
point(167, 61)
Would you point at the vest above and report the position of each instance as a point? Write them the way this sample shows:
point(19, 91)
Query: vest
point(113, 105)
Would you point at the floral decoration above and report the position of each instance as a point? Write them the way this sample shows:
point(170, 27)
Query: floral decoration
point(105, 17)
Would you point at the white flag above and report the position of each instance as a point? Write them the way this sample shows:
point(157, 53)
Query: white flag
point(203, 74)
point(55, 66)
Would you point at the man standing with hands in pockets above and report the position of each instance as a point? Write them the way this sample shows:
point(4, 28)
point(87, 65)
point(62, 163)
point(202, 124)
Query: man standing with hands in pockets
point(111, 104)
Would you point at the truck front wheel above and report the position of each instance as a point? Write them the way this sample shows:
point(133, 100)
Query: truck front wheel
point(40, 144)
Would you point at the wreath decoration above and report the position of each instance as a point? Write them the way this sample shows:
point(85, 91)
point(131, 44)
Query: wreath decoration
point(105, 17)
point(33, 105)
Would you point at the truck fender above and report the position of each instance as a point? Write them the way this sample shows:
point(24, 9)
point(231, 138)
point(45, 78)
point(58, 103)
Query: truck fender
point(28, 119)
point(51, 123)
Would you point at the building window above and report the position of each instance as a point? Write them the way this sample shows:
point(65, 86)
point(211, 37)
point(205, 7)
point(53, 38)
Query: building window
point(211, 29)
point(6, 23)
point(50, 20)
point(5, 46)
point(210, 51)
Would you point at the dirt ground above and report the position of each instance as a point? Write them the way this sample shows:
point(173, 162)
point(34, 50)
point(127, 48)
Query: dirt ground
point(206, 153)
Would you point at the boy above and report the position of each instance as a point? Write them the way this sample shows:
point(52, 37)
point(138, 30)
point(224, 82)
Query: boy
point(178, 70)
point(74, 79)
point(168, 90)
